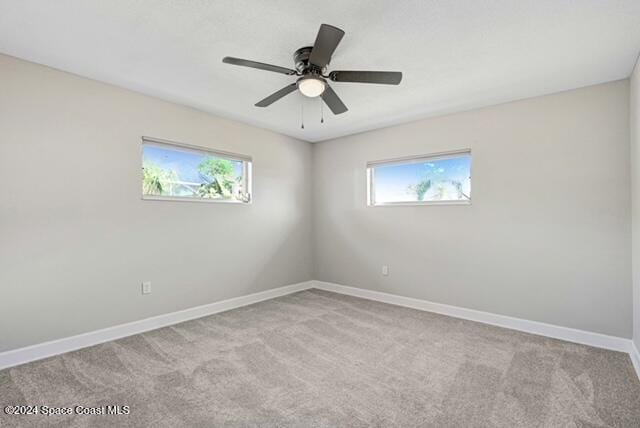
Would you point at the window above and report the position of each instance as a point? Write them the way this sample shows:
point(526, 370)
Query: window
point(439, 178)
point(172, 171)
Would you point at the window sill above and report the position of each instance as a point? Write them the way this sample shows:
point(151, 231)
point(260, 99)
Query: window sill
point(198, 200)
point(417, 204)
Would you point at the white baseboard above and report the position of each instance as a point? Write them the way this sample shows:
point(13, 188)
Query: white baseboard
point(564, 333)
point(55, 347)
point(635, 358)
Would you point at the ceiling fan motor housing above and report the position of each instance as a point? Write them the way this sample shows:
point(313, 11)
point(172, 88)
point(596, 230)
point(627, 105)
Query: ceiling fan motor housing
point(301, 59)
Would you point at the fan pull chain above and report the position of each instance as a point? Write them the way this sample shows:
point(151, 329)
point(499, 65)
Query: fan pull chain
point(302, 115)
point(321, 110)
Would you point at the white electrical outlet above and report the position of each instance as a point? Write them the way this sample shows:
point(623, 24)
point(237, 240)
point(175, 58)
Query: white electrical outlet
point(146, 287)
point(385, 270)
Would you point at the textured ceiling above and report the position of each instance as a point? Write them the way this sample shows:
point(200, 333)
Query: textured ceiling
point(455, 55)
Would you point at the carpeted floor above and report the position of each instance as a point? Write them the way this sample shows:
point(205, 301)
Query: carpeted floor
point(318, 359)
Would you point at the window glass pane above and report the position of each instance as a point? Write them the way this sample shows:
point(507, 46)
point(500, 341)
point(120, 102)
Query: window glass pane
point(170, 171)
point(423, 180)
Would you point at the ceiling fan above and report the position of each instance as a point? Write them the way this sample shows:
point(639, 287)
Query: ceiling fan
point(311, 65)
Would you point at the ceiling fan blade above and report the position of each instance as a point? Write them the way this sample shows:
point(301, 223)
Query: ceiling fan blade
point(326, 43)
point(333, 101)
point(381, 77)
point(259, 65)
point(277, 95)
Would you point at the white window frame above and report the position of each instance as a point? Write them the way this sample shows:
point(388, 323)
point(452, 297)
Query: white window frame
point(371, 202)
point(246, 170)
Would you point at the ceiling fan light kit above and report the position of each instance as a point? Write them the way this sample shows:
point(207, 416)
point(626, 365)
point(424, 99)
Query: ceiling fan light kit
point(311, 65)
point(311, 86)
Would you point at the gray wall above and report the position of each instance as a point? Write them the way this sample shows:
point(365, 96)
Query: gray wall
point(76, 240)
point(546, 238)
point(634, 121)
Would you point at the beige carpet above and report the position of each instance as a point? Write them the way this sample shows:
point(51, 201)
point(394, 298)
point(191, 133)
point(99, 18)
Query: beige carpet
point(318, 359)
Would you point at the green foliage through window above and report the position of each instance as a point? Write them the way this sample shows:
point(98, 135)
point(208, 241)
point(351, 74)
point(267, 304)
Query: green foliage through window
point(219, 176)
